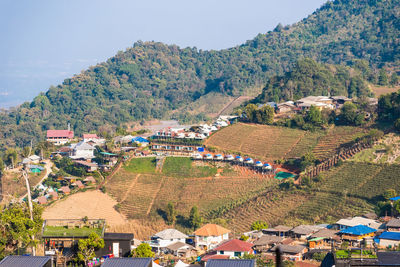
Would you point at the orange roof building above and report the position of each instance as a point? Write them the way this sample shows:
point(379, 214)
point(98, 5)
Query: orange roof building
point(210, 235)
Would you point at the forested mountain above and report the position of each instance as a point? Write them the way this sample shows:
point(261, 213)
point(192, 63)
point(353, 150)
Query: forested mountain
point(311, 78)
point(151, 79)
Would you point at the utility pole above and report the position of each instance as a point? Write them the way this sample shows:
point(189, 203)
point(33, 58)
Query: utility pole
point(24, 173)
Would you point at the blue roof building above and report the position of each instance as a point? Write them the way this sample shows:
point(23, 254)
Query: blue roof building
point(388, 239)
point(139, 139)
point(357, 232)
point(395, 198)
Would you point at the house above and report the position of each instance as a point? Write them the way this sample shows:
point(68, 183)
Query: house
point(89, 180)
point(280, 230)
point(65, 190)
point(82, 150)
point(123, 139)
point(181, 249)
point(357, 233)
point(59, 137)
point(140, 141)
point(128, 262)
point(79, 184)
point(118, 244)
point(42, 200)
point(26, 261)
point(323, 238)
point(389, 239)
point(234, 248)
point(350, 222)
point(53, 195)
point(34, 159)
point(266, 242)
point(231, 263)
point(285, 107)
point(210, 235)
point(289, 252)
point(340, 100)
point(167, 237)
point(393, 225)
point(304, 231)
point(90, 137)
point(89, 166)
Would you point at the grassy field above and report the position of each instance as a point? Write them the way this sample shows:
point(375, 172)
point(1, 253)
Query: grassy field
point(182, 167)
point(347, 190)
point(54, 231)
point(141, 165)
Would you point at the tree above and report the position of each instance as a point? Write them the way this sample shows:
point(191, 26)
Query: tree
point(383, 77)
point(11, 157)
point(396, 207)
point(170, 213)
point(389, 193)
point(267, 115)
point(314, 116)
point(259, 225)
point(17, 229)
point(195, 218)
point(88, 246)
point(1, 167)
point(142, 251)
point(26, 151)
point(250, 112)
point(394, 79)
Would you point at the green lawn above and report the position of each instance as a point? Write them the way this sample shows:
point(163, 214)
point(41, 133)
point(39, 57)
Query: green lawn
point(141, 165)
point(182, 167)
point(54, 231)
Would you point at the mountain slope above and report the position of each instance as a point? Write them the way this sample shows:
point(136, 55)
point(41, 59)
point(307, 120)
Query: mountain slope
point(151, 79)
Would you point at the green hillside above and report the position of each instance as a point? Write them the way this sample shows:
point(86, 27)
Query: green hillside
point(151, 79)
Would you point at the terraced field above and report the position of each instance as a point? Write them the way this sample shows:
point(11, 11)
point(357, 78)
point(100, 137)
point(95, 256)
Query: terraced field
point(262, 141)
point(328, 144)
point(143, 195)
point(348, 190)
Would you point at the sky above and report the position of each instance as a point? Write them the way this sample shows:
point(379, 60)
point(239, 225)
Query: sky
point(44, 42)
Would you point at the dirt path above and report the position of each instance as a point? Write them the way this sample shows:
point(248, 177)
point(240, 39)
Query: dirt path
point(48, 166)
point(93, 203)
point(295, 144)
point(133, 183)
point(155, 195)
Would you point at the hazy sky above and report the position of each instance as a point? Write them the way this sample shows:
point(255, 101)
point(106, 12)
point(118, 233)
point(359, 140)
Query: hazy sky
point(45, 41)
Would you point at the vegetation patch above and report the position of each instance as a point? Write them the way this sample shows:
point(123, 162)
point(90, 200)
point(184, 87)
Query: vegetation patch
point(183, 167)
point(60, 231)
point(141, 165)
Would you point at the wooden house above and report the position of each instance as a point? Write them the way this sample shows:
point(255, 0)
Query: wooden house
point(59, 137)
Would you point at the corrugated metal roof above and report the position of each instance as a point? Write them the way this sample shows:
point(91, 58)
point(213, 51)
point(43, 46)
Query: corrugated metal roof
point(170, 234)
point(358, 230)
point(127, 262)
point(230, 263)
point(118, 236)
point(390, 236)
point(25, 261)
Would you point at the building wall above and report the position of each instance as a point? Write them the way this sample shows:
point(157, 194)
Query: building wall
point(124, 247)
point(387, 242)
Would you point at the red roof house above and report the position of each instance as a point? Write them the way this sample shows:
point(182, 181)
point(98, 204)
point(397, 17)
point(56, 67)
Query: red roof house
point(90, 136)
point(42, 200)
point(59, 136)
point(65, 189)
point(234, 248)
point(79, 184)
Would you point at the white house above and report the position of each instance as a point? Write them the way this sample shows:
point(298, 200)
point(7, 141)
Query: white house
point(167, 237)
point(210, 235)
point(34, 159)
point(346, 223)
point(82, 150)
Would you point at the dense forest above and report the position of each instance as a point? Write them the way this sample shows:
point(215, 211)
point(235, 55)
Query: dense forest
point(309, 77)
point(150, 79)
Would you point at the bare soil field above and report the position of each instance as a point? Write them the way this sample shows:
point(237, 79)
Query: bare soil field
point(381, 90)
point(93, 204)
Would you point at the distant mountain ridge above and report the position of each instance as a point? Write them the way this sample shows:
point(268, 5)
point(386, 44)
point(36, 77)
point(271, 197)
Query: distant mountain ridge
point(151, 79)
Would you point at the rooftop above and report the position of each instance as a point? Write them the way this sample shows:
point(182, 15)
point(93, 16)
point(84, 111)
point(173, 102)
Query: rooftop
point(127, 262)
point(358, 230)
point(390, 236)
point(25, 261)
point(211, 230)
point(60, 133)
point(235, 245)
point(170, 234)
point(359, 220)
point(230, 263)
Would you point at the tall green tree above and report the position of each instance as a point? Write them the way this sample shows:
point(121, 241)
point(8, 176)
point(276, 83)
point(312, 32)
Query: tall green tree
point(195, 219)
point(170, 213)
point(259, 225)
point(383, 78)
point(11, 157)
point(88, 246)
point(314, 116)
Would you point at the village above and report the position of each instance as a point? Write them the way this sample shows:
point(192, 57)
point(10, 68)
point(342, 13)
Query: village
point(82, 163)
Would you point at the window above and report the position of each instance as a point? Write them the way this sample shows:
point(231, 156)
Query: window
point(238, 254)
point(221, 252)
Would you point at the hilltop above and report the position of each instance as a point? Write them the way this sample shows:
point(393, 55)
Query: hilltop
point(155, 80)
